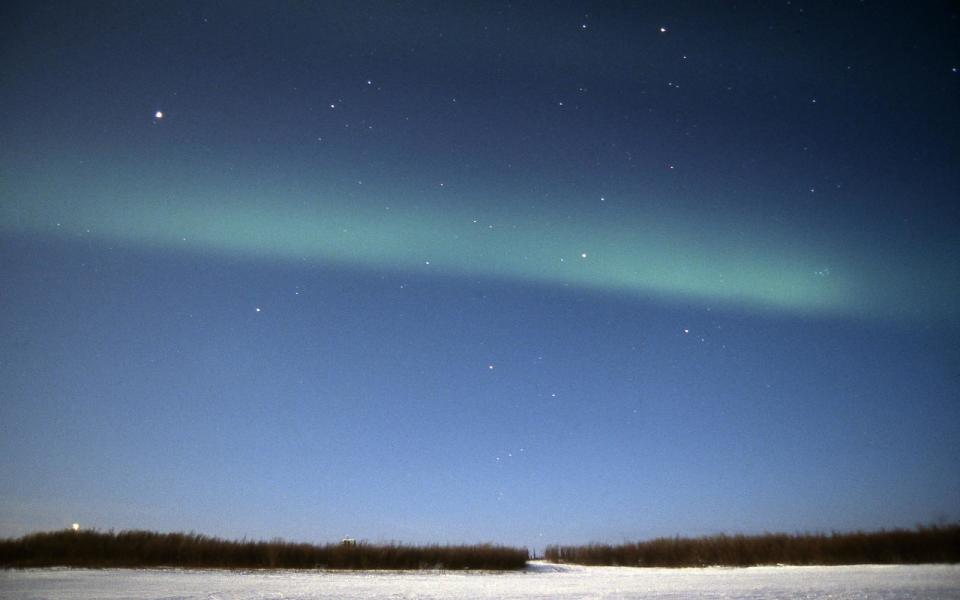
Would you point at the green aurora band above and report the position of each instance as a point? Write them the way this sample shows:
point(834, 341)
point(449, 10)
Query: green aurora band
point(661, 256)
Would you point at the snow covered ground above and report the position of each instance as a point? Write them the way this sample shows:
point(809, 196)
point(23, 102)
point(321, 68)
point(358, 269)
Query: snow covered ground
point(540, 580)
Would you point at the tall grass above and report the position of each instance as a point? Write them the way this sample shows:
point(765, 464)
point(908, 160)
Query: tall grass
point(152, 549)
point(923, 545)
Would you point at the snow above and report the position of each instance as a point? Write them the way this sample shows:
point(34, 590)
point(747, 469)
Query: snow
point(539, 581)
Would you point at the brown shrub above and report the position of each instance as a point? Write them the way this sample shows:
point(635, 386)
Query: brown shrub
point(933, 544)
point(152, 549)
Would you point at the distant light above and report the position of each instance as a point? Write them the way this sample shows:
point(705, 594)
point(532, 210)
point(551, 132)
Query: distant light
point(490, 367)
point(75, 527)
point(583, 255)
point(663, 29)
point(257, 309)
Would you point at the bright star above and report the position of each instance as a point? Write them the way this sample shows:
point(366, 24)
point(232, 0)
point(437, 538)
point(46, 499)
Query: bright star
point(158, 115)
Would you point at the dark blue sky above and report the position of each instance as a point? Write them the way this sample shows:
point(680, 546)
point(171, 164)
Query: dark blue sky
point(535, 273)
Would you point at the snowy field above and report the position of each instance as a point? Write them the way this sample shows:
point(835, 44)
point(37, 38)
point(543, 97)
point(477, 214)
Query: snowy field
point(927, 582)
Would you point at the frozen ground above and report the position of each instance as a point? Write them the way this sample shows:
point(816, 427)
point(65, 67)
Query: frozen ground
point(927, 582)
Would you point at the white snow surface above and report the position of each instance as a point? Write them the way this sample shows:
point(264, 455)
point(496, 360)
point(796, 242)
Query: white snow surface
point(539, 580)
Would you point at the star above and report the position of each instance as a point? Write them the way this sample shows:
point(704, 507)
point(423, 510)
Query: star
point(663, 29)
point(158, 115)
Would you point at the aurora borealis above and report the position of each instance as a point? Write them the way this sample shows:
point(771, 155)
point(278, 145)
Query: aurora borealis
point(556, 272)
point(614, 249)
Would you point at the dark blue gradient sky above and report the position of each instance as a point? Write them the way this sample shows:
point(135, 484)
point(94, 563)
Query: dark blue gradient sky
point(532, 273)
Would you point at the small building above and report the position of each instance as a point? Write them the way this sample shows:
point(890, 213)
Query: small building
point(348, 541)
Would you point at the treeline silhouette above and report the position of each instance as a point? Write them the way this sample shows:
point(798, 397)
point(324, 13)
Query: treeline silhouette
point(152, 549)
point(931, 544)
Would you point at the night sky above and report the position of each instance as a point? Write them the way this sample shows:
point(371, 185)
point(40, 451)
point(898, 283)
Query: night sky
point(527, 273)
